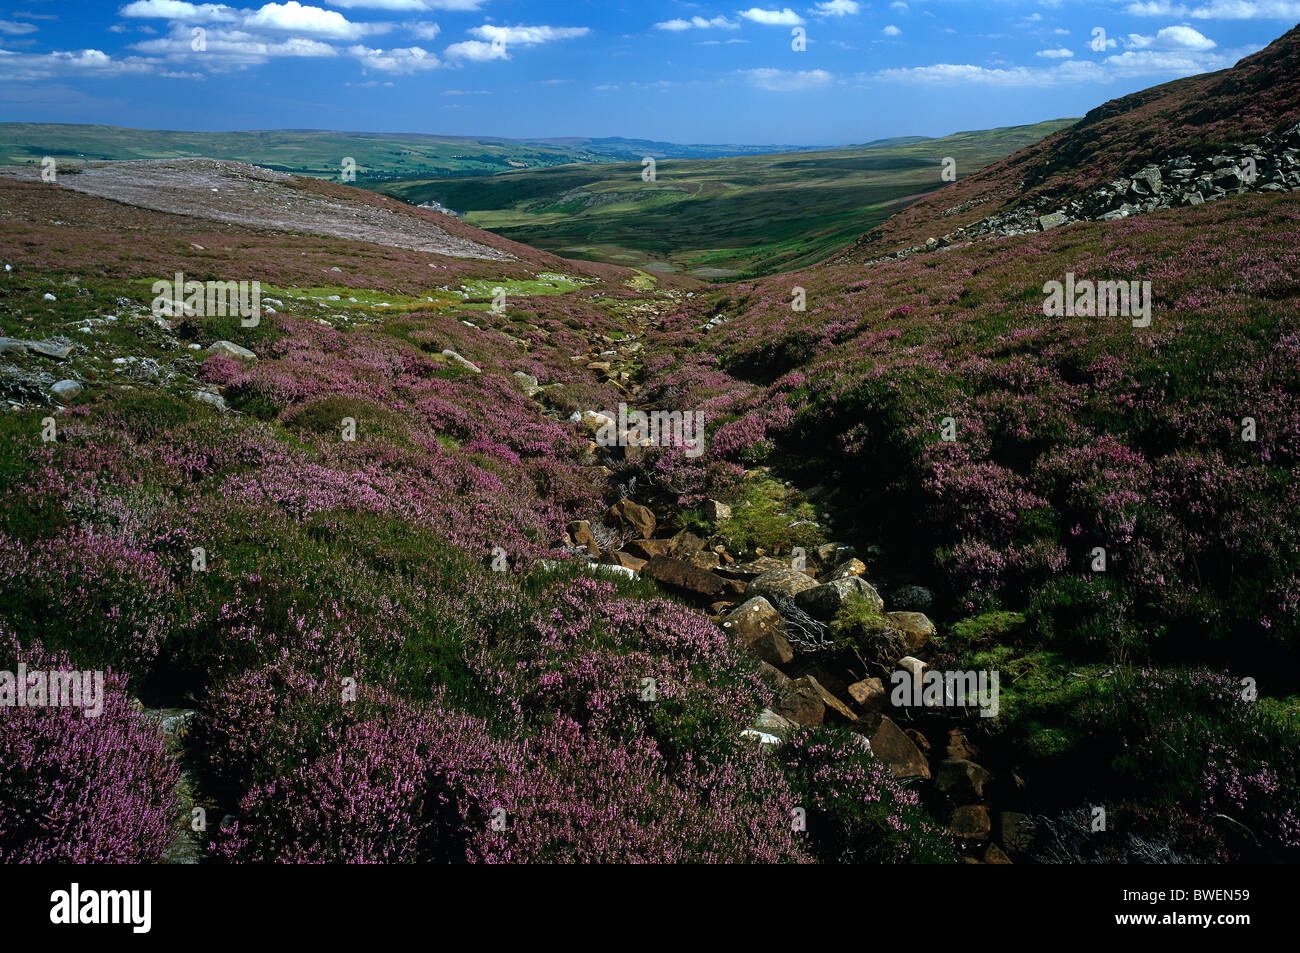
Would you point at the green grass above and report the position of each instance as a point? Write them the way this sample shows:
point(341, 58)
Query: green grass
point(715, 217)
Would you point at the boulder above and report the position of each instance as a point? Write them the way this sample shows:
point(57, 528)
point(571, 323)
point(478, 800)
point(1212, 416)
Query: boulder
point(230, 349)
point(959, 747)
point(962, 779)
point(824, 601)
point(912, 598)
point(916, 627)
point(806, 698)
point(869, 694)
point(771, 723)
point(632, 516)
point(1018, 831)
point(993, 855)
point(754, 568)
point(891, 745)
point(526, 383)
point(704, 559)
point(758, 627)
point(647, 548)
point(66, 390)
point(832, 554)
point(456, 359)
point(53, 349)
point(684, 544)
point(580, 532)
point(1147, 182)
point(971, 823)
point(626, 560)
point(1053, 220)
point(850, 567)
point(683, 578)
point(716, 512)
point(779, 584)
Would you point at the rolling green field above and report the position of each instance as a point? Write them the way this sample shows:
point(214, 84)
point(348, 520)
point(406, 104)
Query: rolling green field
point(378, 156)
point(716, 218)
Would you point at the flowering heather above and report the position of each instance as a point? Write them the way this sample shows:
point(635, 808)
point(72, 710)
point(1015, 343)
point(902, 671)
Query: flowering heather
point(78, 790)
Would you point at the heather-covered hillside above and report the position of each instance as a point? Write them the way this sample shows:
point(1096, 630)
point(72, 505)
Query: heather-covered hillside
point(1200, 115)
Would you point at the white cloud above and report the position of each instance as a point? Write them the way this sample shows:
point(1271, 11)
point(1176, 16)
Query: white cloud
point(25, 67)
point(179, 10)
point(1061, 54)
point(14, 28)
point(424, 29)
point(838, 8)
point(1219, 9)
point(1171, 38)
point(785, 17)
point(227, 49)
point(527, 35)
point(697, 23)
point(407, 60)
point(891, 30)
point(898, 6)
point(476, 50)
point(467, 5)
point(785, 81)
point(295, 18)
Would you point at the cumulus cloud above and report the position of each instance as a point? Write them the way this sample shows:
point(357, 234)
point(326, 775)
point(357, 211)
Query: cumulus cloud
point(420, 5)
point(697, 23)
point(14, 28)
point(784, 17)
point(296, 18)
point(784, 81)
point(892, 30)
point(838, 8)
point(1060, 54)
point(410, 59)
point(1218, 9)
point(527, 35)
point(28, 67)
point(1171, 38)
point(476, 51)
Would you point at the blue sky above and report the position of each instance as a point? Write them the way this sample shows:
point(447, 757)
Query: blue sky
point(670, 70)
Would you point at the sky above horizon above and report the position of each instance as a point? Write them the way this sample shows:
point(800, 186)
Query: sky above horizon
point(672, 70)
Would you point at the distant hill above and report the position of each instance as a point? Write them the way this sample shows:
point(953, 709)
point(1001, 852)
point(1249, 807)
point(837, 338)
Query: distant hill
point(320, 153)
point(720, 217)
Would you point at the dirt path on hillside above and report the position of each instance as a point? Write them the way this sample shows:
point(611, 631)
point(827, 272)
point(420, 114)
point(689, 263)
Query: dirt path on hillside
point(240, 194)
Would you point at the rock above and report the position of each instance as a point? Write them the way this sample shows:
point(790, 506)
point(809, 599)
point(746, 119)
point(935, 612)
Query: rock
point(802, 704)
point(770, 722)
point(230, 349)
point(971, 822)
point(807, 703)
point(580, 532)
point(1193, 198)
point(1052, 221)
point(49, 297)
point(1228, 179)
point(753, 568)
point(758, 627)
point(959, 747)
point(704, 559)
point(891, 745)
point(684, 544)
point(683, 578)
point(962, 779)
point(824, 601)
point(647, 548)
point(527, 383)
point(626, 560)
point(66, 390)
point(869, 694)
point(632, 516)
point(214, 400)
point(1147, 182)
point(993, 855)
point(51, 349)
point(913, 598)
point(850, 567)
point(12, 346)
point(779, 584)
point(761, 737)
point(455, 358)
point(931, 244)
point(916, 627)
point(921, 741)
point(773, 677)
point(831, 554)
point(716, 512)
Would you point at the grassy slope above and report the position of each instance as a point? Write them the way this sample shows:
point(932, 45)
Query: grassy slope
point(754, 214)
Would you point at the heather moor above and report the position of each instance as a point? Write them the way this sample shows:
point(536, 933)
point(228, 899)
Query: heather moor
point(574, 474)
